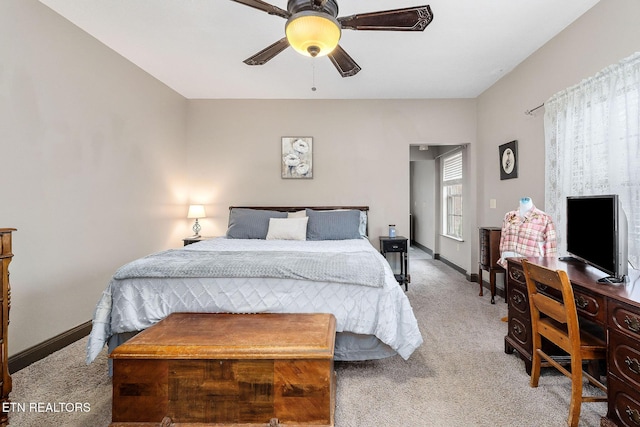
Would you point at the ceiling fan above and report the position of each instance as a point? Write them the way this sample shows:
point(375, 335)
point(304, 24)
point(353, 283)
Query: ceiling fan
point(313, 29)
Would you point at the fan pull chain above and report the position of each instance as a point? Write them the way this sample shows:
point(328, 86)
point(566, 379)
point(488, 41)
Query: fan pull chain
point(313, 75)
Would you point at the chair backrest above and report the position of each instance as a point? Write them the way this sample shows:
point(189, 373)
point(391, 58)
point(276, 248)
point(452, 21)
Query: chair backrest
point(564, 311)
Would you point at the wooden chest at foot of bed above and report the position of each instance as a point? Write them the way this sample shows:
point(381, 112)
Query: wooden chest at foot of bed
point(226, 369)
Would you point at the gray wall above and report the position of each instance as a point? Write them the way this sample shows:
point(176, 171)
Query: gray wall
point(93, 168)
point(361, 153)
point(424, 204)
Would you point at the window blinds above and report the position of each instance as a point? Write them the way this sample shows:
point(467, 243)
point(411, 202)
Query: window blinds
point(452, 167)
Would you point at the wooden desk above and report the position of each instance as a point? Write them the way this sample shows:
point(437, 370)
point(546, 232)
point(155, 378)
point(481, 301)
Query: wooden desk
point(613, 308)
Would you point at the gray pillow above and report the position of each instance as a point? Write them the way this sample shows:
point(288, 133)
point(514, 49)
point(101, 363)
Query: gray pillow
point(333, 225)
point(250, 223)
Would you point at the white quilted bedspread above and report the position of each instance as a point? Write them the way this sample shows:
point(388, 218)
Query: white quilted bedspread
point(129, 305)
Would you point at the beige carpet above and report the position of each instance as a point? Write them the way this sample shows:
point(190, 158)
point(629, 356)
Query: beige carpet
point(459, 377)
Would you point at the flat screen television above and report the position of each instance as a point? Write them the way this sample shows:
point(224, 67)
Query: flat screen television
point(597, 234)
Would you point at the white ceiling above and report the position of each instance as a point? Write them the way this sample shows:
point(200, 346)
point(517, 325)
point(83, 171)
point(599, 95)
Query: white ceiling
point(196, 47)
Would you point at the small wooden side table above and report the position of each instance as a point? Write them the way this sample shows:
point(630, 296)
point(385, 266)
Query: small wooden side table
point(489, 256)
point(193, 239)
point(398, 244)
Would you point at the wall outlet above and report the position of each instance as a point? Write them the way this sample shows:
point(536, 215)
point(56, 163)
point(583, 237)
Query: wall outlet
point(492, 203)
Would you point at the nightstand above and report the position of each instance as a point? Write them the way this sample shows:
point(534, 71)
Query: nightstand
point(193, 239)
point(400, 245)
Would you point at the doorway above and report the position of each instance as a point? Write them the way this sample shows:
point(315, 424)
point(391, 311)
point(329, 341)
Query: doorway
point(424, 196)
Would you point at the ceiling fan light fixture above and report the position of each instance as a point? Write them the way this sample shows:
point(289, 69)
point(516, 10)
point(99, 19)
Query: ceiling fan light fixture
point(313, 34)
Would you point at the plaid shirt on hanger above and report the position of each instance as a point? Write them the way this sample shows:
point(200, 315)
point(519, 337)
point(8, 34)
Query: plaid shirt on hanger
point(531, 235)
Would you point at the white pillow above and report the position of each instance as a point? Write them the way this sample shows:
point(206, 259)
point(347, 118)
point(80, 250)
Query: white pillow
point(287, 229)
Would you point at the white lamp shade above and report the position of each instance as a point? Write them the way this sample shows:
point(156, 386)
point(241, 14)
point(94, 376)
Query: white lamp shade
point(313, 34)
point(196, 211)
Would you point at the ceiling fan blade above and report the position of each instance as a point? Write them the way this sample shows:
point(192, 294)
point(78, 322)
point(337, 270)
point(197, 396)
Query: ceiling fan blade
point(266, 54)
point(345, 64)
point(265, 7)
point(408, 19)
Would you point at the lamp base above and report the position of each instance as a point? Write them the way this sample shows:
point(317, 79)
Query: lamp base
point(196, 229)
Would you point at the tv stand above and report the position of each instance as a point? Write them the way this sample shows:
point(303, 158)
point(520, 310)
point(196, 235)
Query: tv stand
point(613, 280)
point(568, 259)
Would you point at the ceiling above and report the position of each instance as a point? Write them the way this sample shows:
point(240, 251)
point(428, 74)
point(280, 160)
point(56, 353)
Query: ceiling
point(196, 47)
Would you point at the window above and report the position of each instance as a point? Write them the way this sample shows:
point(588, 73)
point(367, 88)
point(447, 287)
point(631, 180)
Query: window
point(452, 196)
point(592, 133)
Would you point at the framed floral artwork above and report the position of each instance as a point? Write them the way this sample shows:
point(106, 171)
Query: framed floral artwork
point(297, 157)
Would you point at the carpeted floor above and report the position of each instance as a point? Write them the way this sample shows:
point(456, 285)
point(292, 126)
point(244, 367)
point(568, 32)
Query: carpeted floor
point(459, 377)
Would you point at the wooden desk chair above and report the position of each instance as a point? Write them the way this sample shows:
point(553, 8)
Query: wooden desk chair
point(557, 321)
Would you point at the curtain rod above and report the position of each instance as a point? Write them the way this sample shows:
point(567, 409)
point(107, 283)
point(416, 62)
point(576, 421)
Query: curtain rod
point(530, 112)
point(459, 147)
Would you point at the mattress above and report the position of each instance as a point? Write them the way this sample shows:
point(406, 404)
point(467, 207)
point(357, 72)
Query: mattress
point(371, 322)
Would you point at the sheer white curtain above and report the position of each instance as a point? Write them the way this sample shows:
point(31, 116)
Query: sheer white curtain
point(592, 145)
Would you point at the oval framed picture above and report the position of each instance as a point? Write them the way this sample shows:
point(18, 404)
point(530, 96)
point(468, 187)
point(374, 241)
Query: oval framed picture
point(508, 160)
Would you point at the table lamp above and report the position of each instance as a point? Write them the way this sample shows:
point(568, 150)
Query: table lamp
point(196, 211)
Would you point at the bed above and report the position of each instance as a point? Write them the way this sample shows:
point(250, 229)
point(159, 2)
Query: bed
point(272, 259)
